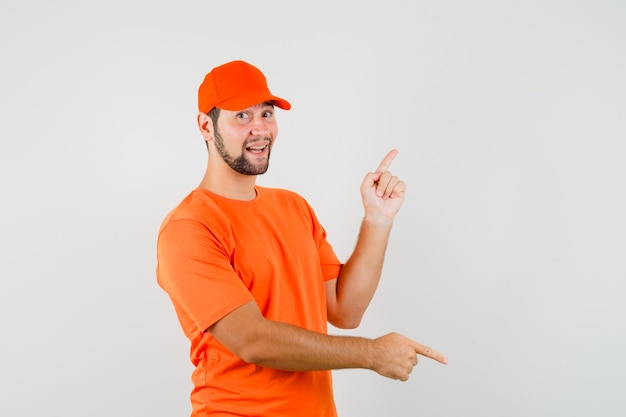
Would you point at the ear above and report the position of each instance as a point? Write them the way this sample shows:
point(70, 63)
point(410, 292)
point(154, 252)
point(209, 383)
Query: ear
point(205, 125)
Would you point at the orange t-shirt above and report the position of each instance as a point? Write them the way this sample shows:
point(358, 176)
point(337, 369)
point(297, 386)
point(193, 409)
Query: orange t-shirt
point(214, 255)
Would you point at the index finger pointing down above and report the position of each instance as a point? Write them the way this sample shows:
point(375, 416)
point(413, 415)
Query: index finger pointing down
point(384, 165)
point(430, 353)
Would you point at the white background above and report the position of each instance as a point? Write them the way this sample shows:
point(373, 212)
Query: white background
point(508, 254)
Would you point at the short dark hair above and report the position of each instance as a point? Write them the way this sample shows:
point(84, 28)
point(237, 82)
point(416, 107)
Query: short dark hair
point(213, 114)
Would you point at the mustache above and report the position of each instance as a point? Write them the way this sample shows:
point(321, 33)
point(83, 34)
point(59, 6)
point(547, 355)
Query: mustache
point(252, 142)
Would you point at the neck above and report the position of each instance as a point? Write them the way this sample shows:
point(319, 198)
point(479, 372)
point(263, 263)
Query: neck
point(222, 180)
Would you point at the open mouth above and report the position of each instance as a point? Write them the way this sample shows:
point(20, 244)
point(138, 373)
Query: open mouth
point(256, 148)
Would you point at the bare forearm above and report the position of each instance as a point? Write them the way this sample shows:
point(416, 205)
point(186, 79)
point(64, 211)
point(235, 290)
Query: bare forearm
point(360, 275)
point(253, 338)
point(283, 346)
point(349, 295)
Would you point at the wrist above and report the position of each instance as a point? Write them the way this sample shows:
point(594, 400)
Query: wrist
point(373, 354)
point(377, 219)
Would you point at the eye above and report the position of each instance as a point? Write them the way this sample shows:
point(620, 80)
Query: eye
point(242, 115)
point(268, 113)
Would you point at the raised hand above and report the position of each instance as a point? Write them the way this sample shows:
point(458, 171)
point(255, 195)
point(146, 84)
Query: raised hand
point(383, 193)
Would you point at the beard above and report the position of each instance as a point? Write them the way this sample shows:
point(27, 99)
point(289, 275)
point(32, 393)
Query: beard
point(239, 163)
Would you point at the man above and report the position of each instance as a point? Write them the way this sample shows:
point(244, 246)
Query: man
point(253, 279)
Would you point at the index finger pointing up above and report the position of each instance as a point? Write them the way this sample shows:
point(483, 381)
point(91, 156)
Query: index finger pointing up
point(384, 165)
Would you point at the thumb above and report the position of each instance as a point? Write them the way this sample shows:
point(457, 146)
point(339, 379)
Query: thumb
point(371, 178)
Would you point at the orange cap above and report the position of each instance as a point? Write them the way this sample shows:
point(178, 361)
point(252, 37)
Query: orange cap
point(235, 85)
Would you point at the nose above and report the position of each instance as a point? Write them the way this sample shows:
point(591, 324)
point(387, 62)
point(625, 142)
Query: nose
point(260, 128)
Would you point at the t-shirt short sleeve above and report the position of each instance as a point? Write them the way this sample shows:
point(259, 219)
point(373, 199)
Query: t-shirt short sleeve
point(194, 269)
point(331, 266)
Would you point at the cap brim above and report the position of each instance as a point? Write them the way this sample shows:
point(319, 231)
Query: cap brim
point(250, 99)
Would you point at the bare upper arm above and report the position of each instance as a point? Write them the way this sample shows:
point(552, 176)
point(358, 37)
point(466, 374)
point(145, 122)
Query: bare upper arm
point(236, 329)
point(332, 309)
point(340, 314)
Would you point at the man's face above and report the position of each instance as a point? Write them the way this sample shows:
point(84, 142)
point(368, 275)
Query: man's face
point(244, 138)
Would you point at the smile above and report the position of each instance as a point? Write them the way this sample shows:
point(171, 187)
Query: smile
point(256, 148)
